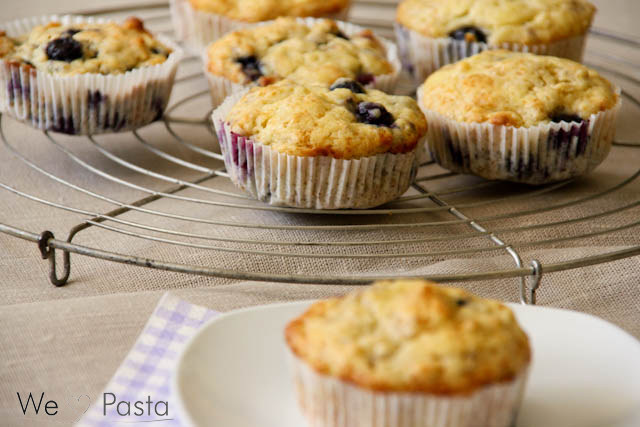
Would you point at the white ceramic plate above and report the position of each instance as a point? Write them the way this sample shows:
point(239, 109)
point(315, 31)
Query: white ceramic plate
point(233, 373)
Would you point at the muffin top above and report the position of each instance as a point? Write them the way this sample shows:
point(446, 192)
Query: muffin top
point(265, 10)
point(320, 53)
point(517, 89)
point(65, 50)
point(411, 336)
point(498, 21)
point(345, 121)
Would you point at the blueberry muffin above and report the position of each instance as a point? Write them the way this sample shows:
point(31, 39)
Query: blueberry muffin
point(519, 117)
point(316, 147)
point(199, 22)
point(306, 51)
point(433, 33)
point(78, 75)
point(266, 10)
point(409, 352)
point(67, 50)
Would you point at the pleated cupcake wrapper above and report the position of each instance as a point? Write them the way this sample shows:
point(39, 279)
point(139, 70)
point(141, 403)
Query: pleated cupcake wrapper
point(422, 153)
point(197, 28)
point(84, 103)
point(310, 182)
point(330, 402)
point(532, 155)
point(421, 55)
point(221, 87)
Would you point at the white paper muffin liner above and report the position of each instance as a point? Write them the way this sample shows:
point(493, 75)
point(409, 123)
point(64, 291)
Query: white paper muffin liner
point(421, 55)
point(331, 402)
point(197, 28)
point(422, 155)
point(532, 155)
point(320, 182)
point(84, 103)
point(221, 87)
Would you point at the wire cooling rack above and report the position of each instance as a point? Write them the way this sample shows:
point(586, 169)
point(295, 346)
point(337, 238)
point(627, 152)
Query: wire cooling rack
point(437, 224)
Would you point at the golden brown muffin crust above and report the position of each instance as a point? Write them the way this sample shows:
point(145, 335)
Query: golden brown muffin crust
point(411, 336)
point(503, 21)
point(516, 89)
point(265, 10)
point(287, 48)
point(315, 121)
point(107, 48)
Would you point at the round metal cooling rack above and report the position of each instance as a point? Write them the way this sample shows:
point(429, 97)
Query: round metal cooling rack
point(429, 201)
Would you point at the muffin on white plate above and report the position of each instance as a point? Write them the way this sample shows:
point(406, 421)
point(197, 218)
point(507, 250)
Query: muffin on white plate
point(519, 117)
point(434, 33)
point(316, 147)
point(80, 75)
point(408, 353)
point(309, 51)
point(199, 22)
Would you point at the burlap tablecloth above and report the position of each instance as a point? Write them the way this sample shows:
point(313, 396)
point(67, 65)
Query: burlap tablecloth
point(68, 341)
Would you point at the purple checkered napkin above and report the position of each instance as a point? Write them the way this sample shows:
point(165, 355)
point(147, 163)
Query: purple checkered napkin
point(147, 370)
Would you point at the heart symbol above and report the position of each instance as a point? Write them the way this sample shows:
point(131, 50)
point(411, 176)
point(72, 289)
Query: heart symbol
point(76, 401)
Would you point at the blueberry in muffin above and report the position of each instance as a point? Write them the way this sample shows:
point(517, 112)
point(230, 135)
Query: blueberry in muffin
point(250, 67)
point(348, 84)
point(469, 33)
point(64, 49)
point(372, 113)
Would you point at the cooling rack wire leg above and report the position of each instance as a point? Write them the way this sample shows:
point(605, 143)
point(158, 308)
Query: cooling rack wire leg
point(49, 253)
point(536, 277)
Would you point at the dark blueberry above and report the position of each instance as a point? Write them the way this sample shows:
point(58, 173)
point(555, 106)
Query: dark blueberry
point(583, 137)
point(341, 35)
point(64, 49)
point(457, 154)
point(508, 164)
point(64, 125)
point(462, 302)
point(158, 105)
point(118, 122)
point(561, 117)
point(469, 32)
point(372, 113)
point(70, 32)
point(250, 67)
point(365, 78)
point(13, 87)
point(94, 99)
point(352, 85)
point(237, 146)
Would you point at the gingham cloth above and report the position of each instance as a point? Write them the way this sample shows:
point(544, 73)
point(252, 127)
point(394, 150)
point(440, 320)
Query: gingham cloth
point(147, 369)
